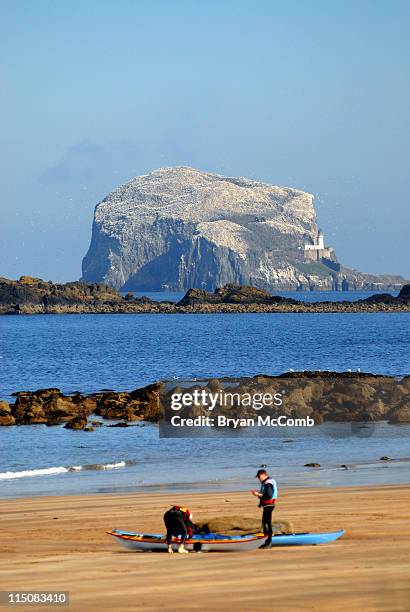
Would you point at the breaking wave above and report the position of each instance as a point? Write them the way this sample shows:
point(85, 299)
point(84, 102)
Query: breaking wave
point(63, 470)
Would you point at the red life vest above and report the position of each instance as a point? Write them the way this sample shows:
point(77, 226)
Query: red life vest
point(187, 517)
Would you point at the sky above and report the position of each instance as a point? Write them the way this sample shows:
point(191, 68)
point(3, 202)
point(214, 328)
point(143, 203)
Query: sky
point(308, 94)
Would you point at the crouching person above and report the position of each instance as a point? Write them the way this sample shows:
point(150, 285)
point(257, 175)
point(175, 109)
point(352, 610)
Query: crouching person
point(178, 523)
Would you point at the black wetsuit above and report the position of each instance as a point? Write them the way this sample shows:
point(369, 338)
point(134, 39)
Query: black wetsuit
point(267, 495)
point(267, 521)
point(177, 525)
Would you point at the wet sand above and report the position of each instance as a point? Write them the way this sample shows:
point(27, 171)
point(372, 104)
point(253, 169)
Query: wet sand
point(59, 543)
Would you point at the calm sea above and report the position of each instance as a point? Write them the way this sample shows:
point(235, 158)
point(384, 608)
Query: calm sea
point(92, 352)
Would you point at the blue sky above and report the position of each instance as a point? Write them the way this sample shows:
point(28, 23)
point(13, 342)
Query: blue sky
point(304, 93)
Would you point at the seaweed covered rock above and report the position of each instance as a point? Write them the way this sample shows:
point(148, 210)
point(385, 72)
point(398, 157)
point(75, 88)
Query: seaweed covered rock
point(233, 294)
point(400, 414)
point(6, 417)
point(79, 422)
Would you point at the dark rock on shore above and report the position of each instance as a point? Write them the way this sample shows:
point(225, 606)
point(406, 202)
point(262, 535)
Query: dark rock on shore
point(247, 295)
point(312, 465)
point(35, 296)
point(35, 291)
point(233, 294)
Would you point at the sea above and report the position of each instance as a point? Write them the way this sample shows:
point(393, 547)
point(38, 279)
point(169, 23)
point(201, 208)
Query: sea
point(122, 352)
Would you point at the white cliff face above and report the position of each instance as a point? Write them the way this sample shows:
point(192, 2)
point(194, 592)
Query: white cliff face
point(178, 228)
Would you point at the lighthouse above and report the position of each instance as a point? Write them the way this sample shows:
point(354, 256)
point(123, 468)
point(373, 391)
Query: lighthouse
point(316, 249)
point(318, 252)
point(320, 242)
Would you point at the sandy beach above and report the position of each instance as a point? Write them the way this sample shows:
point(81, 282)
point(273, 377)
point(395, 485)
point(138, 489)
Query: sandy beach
point(59, 543)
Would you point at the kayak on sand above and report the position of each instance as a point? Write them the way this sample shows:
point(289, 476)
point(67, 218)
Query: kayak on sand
point(219, 542)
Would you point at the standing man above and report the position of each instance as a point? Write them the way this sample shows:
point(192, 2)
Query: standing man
point(267, 495)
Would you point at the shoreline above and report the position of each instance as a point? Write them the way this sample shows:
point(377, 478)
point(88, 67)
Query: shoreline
point(178, 489)
point(204, 488)
point(126, 477)
point(65, 547)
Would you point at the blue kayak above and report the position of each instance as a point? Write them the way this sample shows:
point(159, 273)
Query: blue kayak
point(220, 542)
point(304, 539)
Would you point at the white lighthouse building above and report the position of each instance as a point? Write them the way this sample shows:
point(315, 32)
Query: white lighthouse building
point(318, 251)
point(318, 245)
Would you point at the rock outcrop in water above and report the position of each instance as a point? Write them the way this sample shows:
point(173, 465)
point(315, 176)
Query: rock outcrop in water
point(31, 295)
point(6, 416)
point(233, 294)
point(35, 296)
point(177, 228)
point(51, 407)
point(325, 396)
point(240, 299)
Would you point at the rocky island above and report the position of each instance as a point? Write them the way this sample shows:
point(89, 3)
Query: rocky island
point(177, 228)
point(34, 296)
